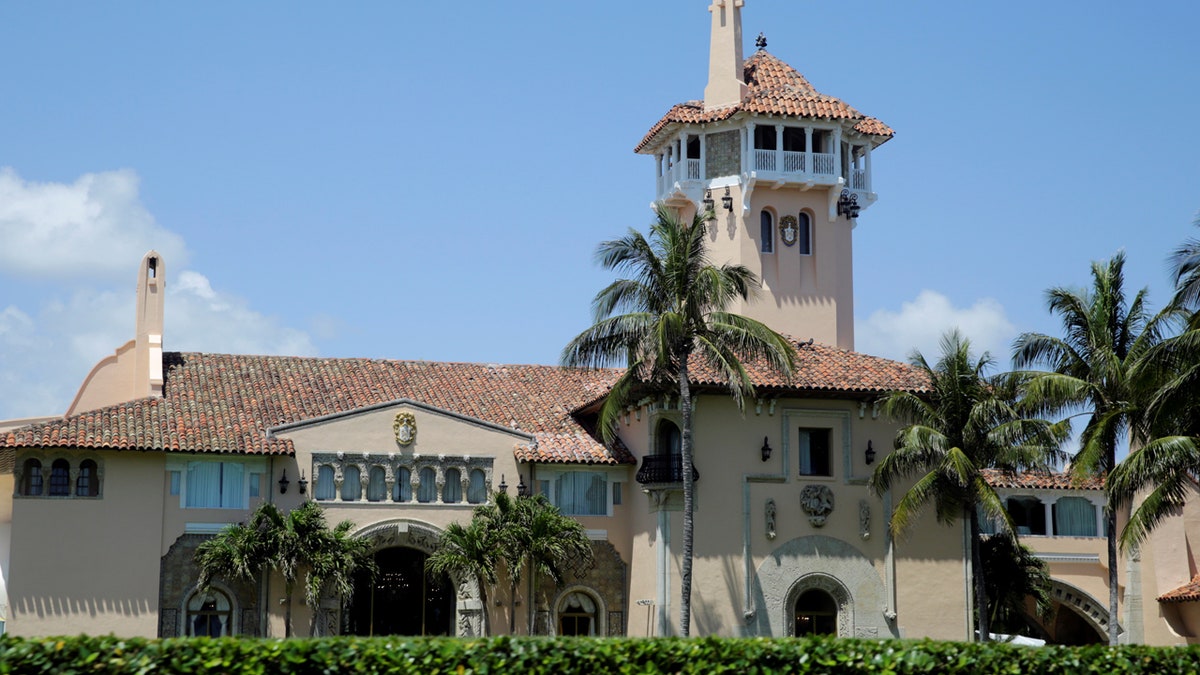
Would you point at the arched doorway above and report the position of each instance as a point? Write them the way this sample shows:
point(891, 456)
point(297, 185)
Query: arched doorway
point(403, 599)
point(816, 613)
point(209, 614)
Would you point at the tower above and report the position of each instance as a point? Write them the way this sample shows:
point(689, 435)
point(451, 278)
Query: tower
point(786, 170)
point(148, 369)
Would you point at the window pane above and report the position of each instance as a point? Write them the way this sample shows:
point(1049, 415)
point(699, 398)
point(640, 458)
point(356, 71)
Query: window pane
point(60, 478)
point(203, 485)
point(232, 495)
point(255, 484)
point(88, 483)
point(1074, 517)
point(582, 493)
point(767, 232)
point(325, 489)
point(804, 237)
point(814, 452)
point(32, 478)
point(452, 490)
point(176, 480)
point(377, 486)
point(351, 484)
point(427, 492)
point(402, 490)
point(477, 492)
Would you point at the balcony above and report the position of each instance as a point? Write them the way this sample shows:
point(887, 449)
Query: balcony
point(815, 167)
point(663, 469)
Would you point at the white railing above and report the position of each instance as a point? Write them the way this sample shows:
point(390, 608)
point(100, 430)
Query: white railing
point(764, 160)
point(823, 163)
point(793, 162)
point(693, 169)
point(858, 179)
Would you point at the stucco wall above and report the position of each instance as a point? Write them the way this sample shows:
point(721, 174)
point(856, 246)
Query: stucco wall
point(91, 565)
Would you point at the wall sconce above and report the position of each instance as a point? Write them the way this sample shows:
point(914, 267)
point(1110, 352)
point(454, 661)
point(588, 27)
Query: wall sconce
point(522, 488)
point(503, 487)
point(303, 484)
point(708, 203)
point(283, 483)
point(766, 450)
point(869, 455)
point(847, 205)
point(727, 200)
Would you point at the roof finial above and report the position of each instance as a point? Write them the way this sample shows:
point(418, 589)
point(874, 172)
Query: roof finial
point(761, 42)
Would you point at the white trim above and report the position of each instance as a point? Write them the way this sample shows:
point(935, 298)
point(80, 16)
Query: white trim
point(1068, 557)
point(597, 535)
point(204, 528)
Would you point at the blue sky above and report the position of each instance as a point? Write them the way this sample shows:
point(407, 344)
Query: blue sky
point(428, 180)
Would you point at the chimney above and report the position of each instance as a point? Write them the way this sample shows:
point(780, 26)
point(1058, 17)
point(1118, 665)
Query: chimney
point(148, 365)
point(725, 85)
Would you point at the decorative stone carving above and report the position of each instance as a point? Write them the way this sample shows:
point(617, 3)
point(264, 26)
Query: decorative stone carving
point(405, 428)
point(770, 519)
point(864, 519)
point(817, 502)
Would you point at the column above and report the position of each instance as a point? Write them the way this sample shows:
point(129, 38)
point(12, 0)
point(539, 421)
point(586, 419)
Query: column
point(779, 147)
point(808, 150)
point(703, 157)
point(662, 602)
point(751, 156)
point(867, 166)
point(1048, 504)
point(837, 152)
point(1099, 516)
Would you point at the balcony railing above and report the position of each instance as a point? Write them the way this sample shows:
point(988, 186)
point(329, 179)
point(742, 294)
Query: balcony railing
point(795, 163)
point(663, 469)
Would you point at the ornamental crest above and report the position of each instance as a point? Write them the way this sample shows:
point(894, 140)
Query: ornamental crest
point(405, 428)
point(817, 502)
point(788, 230)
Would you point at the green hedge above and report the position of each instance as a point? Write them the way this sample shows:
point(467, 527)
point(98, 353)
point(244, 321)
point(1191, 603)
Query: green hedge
point(522, 656)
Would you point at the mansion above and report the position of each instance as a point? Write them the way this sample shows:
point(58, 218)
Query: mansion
point(103, 507)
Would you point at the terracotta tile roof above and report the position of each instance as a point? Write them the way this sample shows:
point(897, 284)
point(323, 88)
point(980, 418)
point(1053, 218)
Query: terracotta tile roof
point(1031, 480)
point(218, 403)
point(774, 88)
point(1189, 592)
point(825, 369)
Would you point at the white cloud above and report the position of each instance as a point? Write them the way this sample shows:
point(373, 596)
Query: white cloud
point(921, 323)
point(91, 228)
point(48, 346)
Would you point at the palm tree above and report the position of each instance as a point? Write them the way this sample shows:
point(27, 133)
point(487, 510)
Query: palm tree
point(1093, 370)
point(670, 309)
point(287, 544)
point(469, 551)
point(1014, 573)
point(550, 541)
point(968, 422)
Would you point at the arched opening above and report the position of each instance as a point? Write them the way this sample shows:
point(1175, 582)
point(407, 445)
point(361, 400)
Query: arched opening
point(668, 440)
point(403, 600)
point(88, 482)
point(31, 478)
point(209, 614)
point(816, 613)
point(578, 614)
point(60, 478)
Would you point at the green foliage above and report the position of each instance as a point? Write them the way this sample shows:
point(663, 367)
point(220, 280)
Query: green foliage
point(565, 656)
point(289, 544)
point(1014, 573)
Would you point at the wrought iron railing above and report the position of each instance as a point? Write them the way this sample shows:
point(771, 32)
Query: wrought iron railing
point(663, 469)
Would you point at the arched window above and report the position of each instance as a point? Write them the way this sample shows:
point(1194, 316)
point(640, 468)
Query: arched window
point(325, 489)
point(668, 439)
point(477, 490)
point(767, 232)
point(577, 614)
point(377, 485)
point(1074, 517)
point(31, 478)
point(452, 491)
point(351, 484)
point(88, 482)
point(209, 615)
point(816, 614)
point(804, 235)
point(402, 490)
point(60, 478)
point(427, 491)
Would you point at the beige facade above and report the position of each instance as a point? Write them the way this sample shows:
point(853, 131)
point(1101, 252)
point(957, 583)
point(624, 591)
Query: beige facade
point(102, 509)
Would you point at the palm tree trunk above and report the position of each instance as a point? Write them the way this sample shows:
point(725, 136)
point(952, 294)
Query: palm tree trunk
point(287, 610)
point(982, 616)
point(686, 459)
point(1111, 519)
